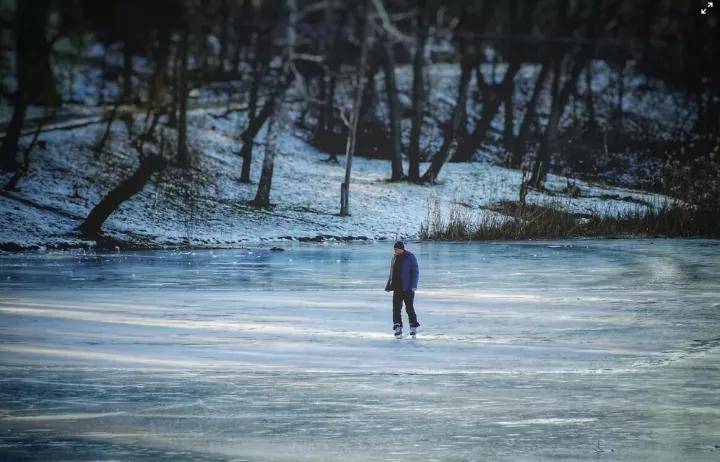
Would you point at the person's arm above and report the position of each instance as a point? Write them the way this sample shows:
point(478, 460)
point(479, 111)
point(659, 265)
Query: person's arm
point(388, 284)
point(415, 270)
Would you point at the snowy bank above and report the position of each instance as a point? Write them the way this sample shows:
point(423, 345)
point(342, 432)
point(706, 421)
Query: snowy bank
point(209, 208)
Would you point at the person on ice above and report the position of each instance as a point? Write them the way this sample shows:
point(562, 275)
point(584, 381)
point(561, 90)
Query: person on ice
point(403, 281)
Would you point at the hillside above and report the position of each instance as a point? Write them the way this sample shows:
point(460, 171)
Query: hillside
point(208, 207)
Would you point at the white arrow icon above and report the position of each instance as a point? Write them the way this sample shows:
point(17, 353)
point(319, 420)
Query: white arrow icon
point(710, 4)
point(703, 11)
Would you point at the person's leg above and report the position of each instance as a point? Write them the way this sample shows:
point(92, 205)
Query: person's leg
point(409, 298)
point(397, 307)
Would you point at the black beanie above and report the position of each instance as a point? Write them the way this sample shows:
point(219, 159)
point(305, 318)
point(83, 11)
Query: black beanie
point(399, 245)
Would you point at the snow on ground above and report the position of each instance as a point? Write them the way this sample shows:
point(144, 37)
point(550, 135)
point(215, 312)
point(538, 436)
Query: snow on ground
point(67, 179)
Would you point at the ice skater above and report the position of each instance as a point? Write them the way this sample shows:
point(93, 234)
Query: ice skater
point(403, 281)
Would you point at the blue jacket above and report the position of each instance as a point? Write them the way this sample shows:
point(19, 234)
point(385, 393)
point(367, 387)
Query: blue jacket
point(409, 271)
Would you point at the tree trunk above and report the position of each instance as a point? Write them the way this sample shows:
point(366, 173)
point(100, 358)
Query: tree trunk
point(122, 192)
point(247, 148)
point(33, 73)
point(589, 100)
point(443, 155)
point(334, 60)
point(708, 115)
point(22, 170)
point(559, 102)
point(367, 102)
point(324, 77)
point(323, 80)
point(393, 111)
point(262, 197)
point(12, 136)
point(701, 112)
point(519, 143)
point(714, 118)
point(162, 56)
point(329, 116)
point(509, 109)
point(244, 30)
point(365, 25)
point(174, 101)
point(541, 157)
point(491, 103)
point(329, 104)
point(100, 145)
point(418, 92)
point(224, 18)
point(127, 72)
point(183, 156)
point(248, 136)
point(621, 94)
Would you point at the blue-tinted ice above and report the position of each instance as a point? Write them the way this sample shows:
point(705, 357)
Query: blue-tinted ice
point(572, 349)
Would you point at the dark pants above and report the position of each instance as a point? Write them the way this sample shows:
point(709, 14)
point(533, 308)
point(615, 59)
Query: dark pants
point(400, 296)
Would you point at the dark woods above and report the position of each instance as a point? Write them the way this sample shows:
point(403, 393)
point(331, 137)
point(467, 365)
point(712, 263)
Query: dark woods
point(543, 85)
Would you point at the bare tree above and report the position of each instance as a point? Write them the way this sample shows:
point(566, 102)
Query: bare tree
point(272, 108)
point(127, 71)
point(365, 27)
point(442, 156)
point(150, 163)
point(390, 34)
point(225, 12)
point(99, 145)
point(393, 112)
point(589, 98)
point(493, 94)
point(33, 73)
point(559, 94)
point(330, 69)
point(575, 60)
point(517, 149)
point(260, 61)
point(418, 91)
point(23, 169)
point(262, 196)
point(183, 155)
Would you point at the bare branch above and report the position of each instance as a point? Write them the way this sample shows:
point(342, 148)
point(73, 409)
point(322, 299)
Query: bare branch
point(227, 112)
point(315, 7)
point(308, 57)
point(388, 25)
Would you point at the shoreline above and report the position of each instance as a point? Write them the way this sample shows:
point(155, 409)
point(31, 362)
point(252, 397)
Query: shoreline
point(281, 244)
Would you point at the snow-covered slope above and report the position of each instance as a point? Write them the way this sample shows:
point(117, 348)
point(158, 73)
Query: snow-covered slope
point(209, 207)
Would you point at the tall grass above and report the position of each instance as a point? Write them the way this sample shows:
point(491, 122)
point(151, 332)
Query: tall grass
point(512, 220)
point(692, 181)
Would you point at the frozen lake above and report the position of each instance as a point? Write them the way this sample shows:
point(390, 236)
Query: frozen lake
point(542, 350)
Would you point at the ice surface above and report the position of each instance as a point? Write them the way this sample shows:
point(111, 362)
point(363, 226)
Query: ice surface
point(536, 350)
